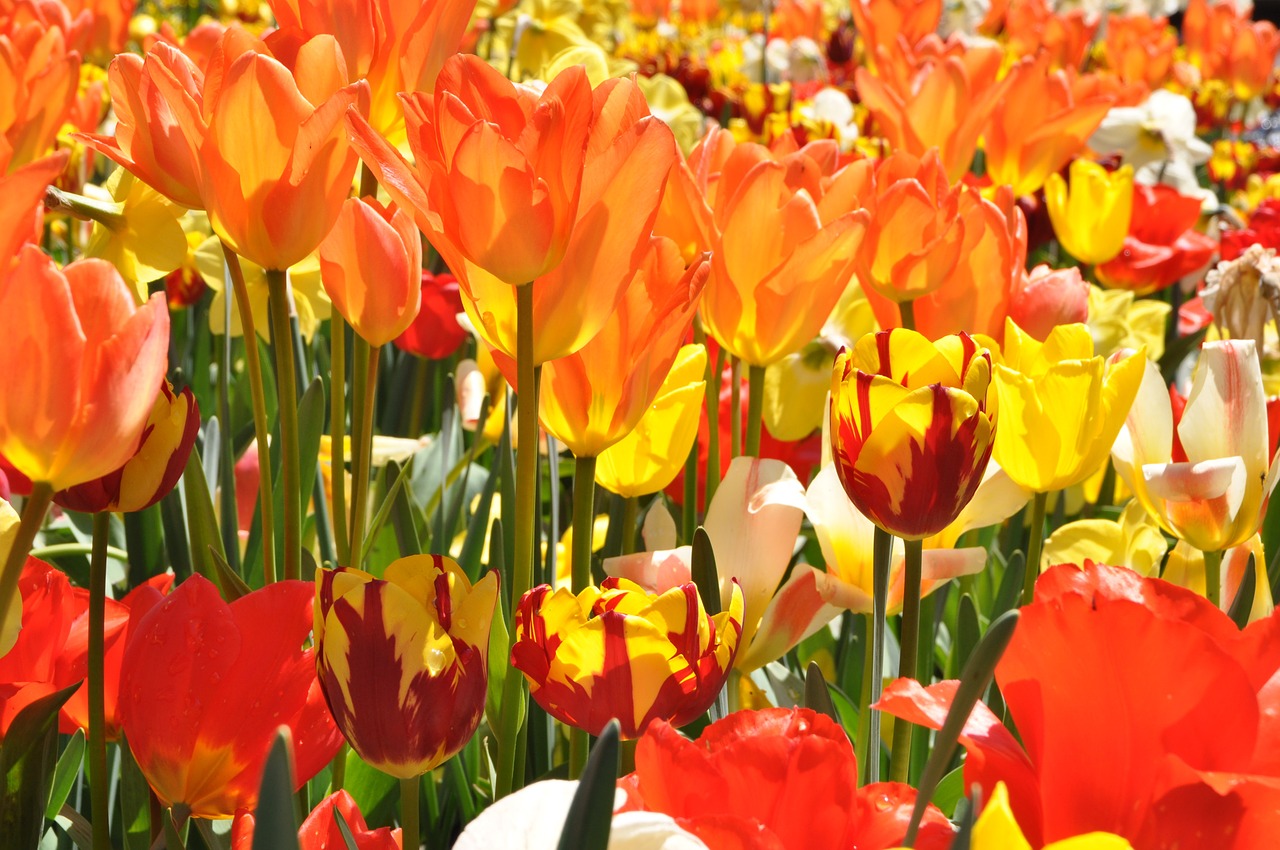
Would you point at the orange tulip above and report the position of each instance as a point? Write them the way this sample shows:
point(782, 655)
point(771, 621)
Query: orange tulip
point(975, 293)
point(1224, 44)
point(397, 45)
point(1038, 125)
point(371, 266)
point(512, 187)
point(786, 244)
point(918, 229)
point(882, 22)
point(594, 397)
point(1033, 27)
point(160, 122)
point(39, 76)
point(1140, 49)
point(105, 26)
point(276, 162)
point(23, 191)
point(77, 351)
point(933, 99)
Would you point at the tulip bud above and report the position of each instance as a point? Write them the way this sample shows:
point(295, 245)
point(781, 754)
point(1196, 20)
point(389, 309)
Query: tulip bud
point(911, 428)
point(1091, 214)
point(615, 651)
point(371, 265)
point(155, 467)
point(403, 660)
point(435, 333)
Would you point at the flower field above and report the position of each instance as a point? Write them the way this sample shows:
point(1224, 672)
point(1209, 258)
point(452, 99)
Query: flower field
point(639, 425)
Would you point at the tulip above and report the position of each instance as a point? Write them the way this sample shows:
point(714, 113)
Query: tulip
point(616, 651)
point(1158, 666)
point(77, 351)
point(24, 191)
point(1090, 216)
point(911, 428)
point(160, 122)
point(156, 466)
point(1140, 49)
point(846, 538)
point(39, 75)
point(587, 186)
point(1133, 540)
point(1060, 406)
point(27, 668)
point(205, 685)
point(371, 265)
point(923, 100)
point(1221, 42)
point(1210, 484)
point(596, 396)
point(1162, 246)
point(1060, 123)
point(534, 817)
point(653, 453)
point(780, 235)
point(1033, 26)
point(435, 333)
point(403, 660)
point(276, 166)
point(883, 21)
point(917, 233)
point(320, 831)
point(1048, 298)
point(997, 829)
point(776, 778)
point(1118, 321)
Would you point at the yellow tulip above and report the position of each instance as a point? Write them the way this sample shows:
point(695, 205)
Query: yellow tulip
point(1133, 540)
point(1091, 216)
point(996, 829)
point(650, 457)
point(1118, 320)
point(11, 622)
point(1060, 406)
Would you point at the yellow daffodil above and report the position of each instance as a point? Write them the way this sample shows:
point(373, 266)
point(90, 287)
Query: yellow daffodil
point(1091, 215)
point(1060, 406)
point(309, 297)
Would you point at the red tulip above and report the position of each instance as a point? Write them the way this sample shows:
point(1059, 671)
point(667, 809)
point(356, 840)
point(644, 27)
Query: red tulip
point(320, 830)
point(27, 670)
point(1144, 712)
point(435, 333)
point(1263, 229)
point(204, 686)
point(1162, 246)
point(774, 778)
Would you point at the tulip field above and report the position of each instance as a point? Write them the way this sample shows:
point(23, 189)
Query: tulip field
point(639, 425)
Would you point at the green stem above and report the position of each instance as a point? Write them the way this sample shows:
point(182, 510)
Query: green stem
point(689, 510)
point(713, 424)
point(1033, 547)
point(99, 783)
point(882, 557)
point(1213, 577)
point(630, 514)
point(907, 312)
point(584, 481)
point(287, 386)
point(366, 364)
point(735, 408)
point(528, 375)
point(755, 408)
point(32, 518)
point(58, 550)
point(338, 769)
point(338, 432)
point(258, 398)
point(409, 827)
point(863, 745)
point(910, 637)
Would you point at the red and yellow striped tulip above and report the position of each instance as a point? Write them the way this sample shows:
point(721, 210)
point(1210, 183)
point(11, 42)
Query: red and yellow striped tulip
point(912, 428)
point(617, 651)
point(403, 660)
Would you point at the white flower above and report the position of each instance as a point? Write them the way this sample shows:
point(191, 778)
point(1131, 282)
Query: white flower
point(1162, 128)
point(833, 107)
point(533, 818)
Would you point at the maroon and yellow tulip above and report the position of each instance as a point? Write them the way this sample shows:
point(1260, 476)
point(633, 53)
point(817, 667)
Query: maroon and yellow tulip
point(617, 651)
point(403, 660)
point(912, 428)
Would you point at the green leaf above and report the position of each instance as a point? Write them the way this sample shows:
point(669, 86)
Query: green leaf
point(477, 530)
point(703, 570)
point(135, 802)
point(1242, 605)
point(978, 673)
point(229, 581)
point(816, 695)
point(64, 776)
point(1010, 591)
point(950, 791)
point(591, 812)
point(403, 521)
point(968, 632)
point(384, 509)
point(274, 825)
point(28, 758)
point(344, 830)
point(202, 525)
point(965, 821)
point(311, 413)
